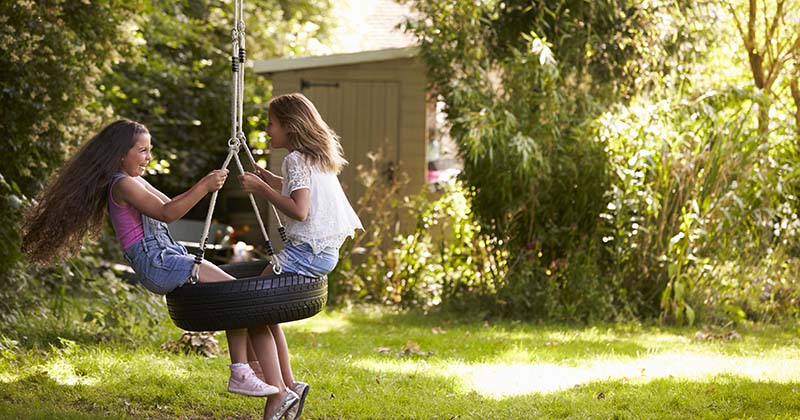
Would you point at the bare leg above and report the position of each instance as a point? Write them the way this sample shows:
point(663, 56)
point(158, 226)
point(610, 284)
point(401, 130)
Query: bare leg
point(251, 352)
point(237, 339)
point(280, 343)
point(237, 345)
point(283, 354)
point(210, 273)
point(252, 360)
point(267, 353)
point(267, 271)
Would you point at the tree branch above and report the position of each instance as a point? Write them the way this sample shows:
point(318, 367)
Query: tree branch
point(756, 60)
point(738, 23)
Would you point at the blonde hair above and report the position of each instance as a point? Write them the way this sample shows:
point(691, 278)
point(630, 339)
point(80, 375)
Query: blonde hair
point(307, 132)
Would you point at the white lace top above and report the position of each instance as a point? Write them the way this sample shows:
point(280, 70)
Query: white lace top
point(331, 218)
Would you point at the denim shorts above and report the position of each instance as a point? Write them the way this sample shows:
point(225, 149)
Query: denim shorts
point(161, 268)
point(301, 259)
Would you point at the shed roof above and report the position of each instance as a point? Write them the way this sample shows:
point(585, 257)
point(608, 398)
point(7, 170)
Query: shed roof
point(276, 65)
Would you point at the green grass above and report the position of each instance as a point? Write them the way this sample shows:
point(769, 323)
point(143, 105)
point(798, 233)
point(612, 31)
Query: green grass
point(457, 368)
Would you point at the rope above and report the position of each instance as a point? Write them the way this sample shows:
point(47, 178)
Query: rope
point(281, 229)
point(236, 140)
point(233, 149)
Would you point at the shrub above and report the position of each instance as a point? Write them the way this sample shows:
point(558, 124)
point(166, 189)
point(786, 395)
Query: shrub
point(442, 258)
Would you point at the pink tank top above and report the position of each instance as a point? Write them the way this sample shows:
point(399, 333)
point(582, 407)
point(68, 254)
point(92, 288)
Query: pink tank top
point(127, 221)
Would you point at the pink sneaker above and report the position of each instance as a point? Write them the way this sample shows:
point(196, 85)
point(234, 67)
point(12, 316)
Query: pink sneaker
point(245, 382)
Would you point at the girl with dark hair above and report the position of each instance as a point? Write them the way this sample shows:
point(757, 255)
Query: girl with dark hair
point(106, 173)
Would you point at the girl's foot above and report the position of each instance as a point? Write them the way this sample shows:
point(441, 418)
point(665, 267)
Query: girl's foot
point(245, 382)
point(301, 389)
point(257, 369)
point(288, 400)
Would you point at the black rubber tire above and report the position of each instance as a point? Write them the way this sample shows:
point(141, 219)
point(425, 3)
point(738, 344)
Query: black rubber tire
point(249, 301)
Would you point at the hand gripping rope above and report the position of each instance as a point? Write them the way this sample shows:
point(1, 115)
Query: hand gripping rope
point(235, 142)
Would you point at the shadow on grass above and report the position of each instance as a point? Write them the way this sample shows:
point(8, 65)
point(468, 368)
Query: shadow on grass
point(468, 342)
point(97, 383)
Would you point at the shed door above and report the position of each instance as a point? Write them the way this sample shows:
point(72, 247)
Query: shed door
point(366, 115)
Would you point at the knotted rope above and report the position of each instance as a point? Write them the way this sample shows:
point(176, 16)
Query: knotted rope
point(235, 143)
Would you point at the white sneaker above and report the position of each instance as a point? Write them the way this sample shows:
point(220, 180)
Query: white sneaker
point(257, 369)
point(245, 382)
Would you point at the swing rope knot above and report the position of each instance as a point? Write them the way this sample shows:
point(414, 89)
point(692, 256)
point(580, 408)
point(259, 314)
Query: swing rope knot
point(241, 137)
point(234, 144)
point(288, 297)
point(236, 141)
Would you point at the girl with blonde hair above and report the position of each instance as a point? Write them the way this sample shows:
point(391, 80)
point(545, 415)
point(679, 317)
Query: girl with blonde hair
point(313, 207)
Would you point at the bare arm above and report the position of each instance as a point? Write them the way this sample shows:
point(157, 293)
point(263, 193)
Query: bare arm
point(274, 181)
point(295, 206)
point(132, 192)
point(153, 190)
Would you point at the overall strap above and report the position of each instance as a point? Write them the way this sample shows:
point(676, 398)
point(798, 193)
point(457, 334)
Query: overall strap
point(114, 179)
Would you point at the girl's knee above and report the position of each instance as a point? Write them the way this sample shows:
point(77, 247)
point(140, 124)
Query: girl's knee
point(210, 273)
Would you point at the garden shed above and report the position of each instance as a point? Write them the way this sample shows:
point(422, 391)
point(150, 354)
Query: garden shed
point(376, 101)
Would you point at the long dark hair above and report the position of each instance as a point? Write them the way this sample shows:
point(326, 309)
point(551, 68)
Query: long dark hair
point(73, 204)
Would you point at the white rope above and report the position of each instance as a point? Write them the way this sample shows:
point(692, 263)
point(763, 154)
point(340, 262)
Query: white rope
point(233, 149)
point(281, 229)
point(236, 140)
point(276, 266)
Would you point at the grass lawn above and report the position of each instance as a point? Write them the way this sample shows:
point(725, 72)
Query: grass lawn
point(373, 363)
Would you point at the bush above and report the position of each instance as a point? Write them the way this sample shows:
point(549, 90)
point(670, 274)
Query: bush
point(443, 259)
point(54, 53)
point(697, 190)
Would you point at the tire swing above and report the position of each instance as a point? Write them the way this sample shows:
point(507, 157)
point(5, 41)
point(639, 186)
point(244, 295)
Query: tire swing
point(251, 300)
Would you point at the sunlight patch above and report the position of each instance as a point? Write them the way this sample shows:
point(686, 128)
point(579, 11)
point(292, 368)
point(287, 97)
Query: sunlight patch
point(501, 380)
point(319, 324)
point(406, 367)
point(64, 373)
point(161, 366)
point(509, 379)
point(7, 378)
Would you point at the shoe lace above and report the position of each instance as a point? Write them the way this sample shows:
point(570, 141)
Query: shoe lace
point(250, 378)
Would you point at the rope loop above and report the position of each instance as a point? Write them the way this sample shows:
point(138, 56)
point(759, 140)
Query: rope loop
point(234, 143)
point(241, 137)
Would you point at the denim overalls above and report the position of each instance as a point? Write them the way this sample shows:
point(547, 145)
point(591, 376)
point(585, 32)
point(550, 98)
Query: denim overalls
point(301, 259)
point(162, 264)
